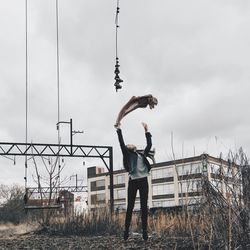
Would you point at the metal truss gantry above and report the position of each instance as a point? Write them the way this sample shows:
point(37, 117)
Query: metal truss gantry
point(44, 190)
point(105, 153)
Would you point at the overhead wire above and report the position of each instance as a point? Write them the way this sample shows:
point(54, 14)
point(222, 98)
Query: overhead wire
point(57, 66)
point(116, 28)
point(58, 87)
point(26, 89)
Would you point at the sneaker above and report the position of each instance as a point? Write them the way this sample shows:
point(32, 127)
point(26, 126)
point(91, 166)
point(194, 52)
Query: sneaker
point(125, 235)
point(145, 235)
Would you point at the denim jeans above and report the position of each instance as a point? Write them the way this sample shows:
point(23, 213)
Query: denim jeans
point(133, 186)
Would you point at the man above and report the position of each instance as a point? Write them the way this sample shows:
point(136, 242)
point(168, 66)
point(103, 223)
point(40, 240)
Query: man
point(134, 103)
point(138, 167)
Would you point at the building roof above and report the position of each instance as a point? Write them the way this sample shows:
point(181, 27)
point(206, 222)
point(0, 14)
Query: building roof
point(177, 162)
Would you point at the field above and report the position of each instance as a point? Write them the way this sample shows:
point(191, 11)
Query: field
point(180, 230)
point(213, 224)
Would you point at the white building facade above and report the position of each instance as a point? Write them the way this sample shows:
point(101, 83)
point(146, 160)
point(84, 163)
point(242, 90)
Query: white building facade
point(171, 183)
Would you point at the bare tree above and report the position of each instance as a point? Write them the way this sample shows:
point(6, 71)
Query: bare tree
point(50, 179)
point(12, 207)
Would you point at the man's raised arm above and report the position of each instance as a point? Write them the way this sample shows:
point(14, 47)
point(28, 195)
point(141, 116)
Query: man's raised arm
point(120, 138)
point(148, 138)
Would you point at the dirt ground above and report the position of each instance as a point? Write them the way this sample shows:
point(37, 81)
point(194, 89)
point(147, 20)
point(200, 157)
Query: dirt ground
point(22, 238)
point(32, 241)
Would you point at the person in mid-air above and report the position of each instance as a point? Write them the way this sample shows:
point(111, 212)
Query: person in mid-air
point(134, 103)
point(138, 167)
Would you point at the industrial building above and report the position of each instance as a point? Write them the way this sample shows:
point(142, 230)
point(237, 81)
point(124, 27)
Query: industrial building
point(171, 183)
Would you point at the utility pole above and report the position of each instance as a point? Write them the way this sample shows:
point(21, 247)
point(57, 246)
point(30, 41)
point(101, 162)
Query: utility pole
point(71, 132)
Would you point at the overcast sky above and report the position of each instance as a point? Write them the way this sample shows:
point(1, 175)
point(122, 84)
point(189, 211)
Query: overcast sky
point(192, 55)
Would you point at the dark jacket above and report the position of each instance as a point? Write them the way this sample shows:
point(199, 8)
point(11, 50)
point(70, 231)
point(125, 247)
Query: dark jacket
point(129, 157)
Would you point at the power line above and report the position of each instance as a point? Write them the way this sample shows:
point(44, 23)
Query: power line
point(58, 67)
point(26, 87)
point(58, 85)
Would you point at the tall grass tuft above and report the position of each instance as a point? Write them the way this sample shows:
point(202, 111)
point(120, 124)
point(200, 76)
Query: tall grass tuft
point(96, 222)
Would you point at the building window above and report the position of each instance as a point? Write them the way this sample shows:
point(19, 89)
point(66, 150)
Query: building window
point(162, 173)
point(164, 203)
point(119, 179)
point(119, 193)
point(215, 169)
point(189, 186)
point(97, 185)
point(189, 169)
point(98, 198)
point(161, 189)
point(100, 183)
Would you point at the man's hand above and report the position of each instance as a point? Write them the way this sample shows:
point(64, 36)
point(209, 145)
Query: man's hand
point(145, 126)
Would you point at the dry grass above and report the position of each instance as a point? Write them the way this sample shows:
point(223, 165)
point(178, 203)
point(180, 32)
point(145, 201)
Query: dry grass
point(218, 222)
point(96, 222)
point(215, 224)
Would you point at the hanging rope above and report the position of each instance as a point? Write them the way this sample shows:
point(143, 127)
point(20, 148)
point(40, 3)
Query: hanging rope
point(58, 88)
point(116, 28)
point(58, 67)
point(26, 88)
point(118, 80)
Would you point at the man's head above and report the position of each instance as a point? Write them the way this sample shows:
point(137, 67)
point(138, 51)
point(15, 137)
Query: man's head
point(131, 147)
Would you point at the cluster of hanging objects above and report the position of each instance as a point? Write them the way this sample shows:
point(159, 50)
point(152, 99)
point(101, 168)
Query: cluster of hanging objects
point(117, 78)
